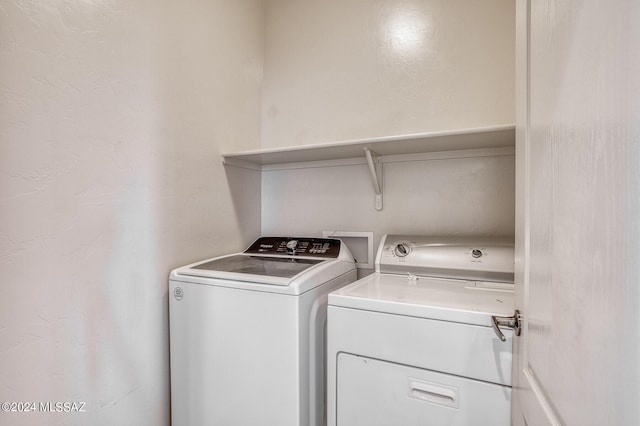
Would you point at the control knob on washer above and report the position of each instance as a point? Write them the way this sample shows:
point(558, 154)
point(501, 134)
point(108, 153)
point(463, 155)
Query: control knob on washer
point(291, 246)
point(402, 249)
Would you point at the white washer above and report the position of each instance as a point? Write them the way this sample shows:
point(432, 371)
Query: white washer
point(413, 343)
point(247, 333)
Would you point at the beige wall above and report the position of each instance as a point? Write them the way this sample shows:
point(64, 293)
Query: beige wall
point(112, 118)
point(337, 70)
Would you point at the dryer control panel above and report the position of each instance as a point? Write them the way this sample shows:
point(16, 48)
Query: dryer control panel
point(292, 246)
point(447, 257)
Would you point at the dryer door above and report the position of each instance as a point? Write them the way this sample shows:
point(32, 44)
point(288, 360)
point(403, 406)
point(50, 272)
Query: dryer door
point(372, 392)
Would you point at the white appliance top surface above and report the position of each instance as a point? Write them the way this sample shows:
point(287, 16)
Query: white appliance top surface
point(271, 270)
point(285, 267)
point(470, 302)
point(297, 262)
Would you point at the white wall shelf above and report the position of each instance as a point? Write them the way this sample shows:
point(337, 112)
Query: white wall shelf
point(479, 142)
point(344, 152)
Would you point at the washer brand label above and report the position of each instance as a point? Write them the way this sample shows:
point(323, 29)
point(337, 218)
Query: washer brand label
point(178, 293)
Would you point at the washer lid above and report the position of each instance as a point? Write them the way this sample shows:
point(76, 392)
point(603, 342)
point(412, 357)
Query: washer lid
point(273, 270)
point(285, 267)
point(276, 261)
point(469, 302)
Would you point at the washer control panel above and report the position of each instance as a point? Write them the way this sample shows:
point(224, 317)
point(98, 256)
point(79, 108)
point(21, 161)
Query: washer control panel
point(292, 246)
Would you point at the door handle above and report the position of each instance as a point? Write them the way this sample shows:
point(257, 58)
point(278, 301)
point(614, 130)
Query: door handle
point(514, 322)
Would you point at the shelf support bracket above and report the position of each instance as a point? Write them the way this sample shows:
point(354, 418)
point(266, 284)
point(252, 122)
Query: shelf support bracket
point(375, 168)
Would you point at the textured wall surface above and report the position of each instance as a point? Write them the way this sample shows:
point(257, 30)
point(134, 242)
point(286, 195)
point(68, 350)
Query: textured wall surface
point(337, 70)
point(112, 117)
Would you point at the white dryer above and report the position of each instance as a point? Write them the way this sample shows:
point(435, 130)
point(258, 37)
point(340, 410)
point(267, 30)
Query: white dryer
point(413, 343)
point(247, 333)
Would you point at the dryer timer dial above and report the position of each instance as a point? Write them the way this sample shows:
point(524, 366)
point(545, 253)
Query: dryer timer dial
point(476, 253)
point(402, 250)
